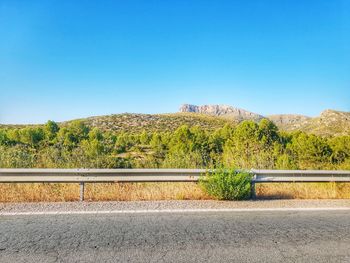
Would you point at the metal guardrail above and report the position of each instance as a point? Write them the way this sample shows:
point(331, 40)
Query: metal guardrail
point(98, 175)
point(159, 175)
point(281, 176)
point(298, 176)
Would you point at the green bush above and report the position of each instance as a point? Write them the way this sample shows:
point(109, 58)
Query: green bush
point(227, 184)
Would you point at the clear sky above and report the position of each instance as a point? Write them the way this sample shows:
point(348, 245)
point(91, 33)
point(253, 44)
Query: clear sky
point(62, 59)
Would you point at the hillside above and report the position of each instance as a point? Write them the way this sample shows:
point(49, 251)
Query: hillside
point(132, 122)
point(290, 122)
point(212, 117)
point(330, 122)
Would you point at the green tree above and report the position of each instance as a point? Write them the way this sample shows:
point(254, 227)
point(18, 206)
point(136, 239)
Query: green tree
point(4, 140)
point(252, 145)
point(156, 142)
point(51, 129)
point(14, 136)
point(340, 149)
point(182, 140)
point(92, 148)
point(123, 143)
point(144, 138)
point(31, 136)
point(75, 132)
point(310, 151)
point(95, 134)
point(268, 132)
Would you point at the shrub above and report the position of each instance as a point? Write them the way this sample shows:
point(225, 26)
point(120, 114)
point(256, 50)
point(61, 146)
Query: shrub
point(227, 184)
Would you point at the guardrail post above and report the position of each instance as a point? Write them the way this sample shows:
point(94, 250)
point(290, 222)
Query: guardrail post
point(82, 189)
point(252, 187)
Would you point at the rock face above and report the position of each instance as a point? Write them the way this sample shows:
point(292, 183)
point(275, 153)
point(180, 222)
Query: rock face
point(285, 119)
point(222, 110)
point(331, 122)
point(331, 116)
point(289, 121)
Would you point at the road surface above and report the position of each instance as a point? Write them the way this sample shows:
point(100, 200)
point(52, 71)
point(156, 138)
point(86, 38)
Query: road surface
point(255, 236)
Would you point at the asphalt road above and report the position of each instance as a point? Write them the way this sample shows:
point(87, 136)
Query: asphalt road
point(303, 236)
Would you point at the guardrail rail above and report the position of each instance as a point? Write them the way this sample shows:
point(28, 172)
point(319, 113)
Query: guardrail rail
point(82, 176)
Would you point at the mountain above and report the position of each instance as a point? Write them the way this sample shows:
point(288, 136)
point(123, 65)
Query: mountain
point(330, 122)
point(212, 117)
point(289, 121)
point(223, 111)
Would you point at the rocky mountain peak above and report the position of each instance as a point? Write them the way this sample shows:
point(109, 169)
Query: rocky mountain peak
point(334, 116)
point(221, 110)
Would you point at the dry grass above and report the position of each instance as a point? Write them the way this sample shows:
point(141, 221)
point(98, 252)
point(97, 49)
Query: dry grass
point(304, 190)
point(161, 191)
point(38, 192)
point(145, 191)
point(101, 192)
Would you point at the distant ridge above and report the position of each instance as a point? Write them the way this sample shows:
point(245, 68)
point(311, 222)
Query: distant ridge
point(222, 110)
point(329, 123)
point(289, 120)
point(212, 117)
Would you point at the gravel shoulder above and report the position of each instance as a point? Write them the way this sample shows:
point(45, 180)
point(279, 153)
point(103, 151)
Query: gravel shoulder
point(169, 205)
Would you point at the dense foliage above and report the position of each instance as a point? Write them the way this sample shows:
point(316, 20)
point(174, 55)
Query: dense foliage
point(247, 145)
point(227, 184)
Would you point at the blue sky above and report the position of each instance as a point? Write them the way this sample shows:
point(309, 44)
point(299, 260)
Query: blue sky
point(62, 60)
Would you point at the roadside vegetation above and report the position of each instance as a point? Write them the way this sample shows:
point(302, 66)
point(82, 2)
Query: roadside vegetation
point(160, 191)
point(101, 192)
point(246, 145)
point(227, 184)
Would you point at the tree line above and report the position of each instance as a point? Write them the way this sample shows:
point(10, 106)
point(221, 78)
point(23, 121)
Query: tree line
point(247, 145)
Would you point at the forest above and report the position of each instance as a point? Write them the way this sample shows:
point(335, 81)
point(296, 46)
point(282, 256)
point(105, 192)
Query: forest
point(246, 145)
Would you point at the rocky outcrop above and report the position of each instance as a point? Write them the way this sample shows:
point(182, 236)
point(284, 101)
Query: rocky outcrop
point(331, 116)
point(222, 110)
point(289, 121)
